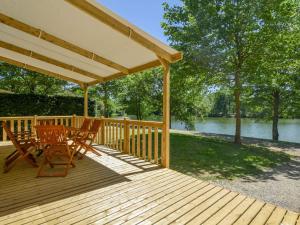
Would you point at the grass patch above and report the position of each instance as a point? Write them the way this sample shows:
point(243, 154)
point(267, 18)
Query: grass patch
point(211, 158)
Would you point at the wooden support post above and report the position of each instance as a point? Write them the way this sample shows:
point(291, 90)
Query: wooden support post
point(86, 100)
point(166, 115)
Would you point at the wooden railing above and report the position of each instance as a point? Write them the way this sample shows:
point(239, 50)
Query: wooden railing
point(142, 139)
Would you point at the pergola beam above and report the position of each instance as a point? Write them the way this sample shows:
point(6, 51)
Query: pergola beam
point(59, 42)
point(46, 59)
point(39, 70)
point(124, 29)
point(140, 68)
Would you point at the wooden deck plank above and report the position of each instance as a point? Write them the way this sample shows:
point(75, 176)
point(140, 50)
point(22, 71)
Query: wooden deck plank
point(201, 207)
point(298, 221)
point(237, 212)
point(98, 193)
point(250, 213)
point(125, 214)
point(168, 214)
point(136, 216)
point(187, 207)
point(290, 218)
point(164, 208)
point(263, 215)
point(120, 189)
point(102, 194)
point(276, 217)
point(91, 212)
point(217, 217)
point(202, 217)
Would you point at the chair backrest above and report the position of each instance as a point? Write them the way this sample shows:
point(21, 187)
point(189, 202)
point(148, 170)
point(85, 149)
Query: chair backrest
point(46, 122)
point(12, 137)
point(85, 125)
point(95, 126)
point(51, 134)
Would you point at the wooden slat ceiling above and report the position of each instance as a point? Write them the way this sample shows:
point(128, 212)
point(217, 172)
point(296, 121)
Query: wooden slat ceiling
point(76, 40)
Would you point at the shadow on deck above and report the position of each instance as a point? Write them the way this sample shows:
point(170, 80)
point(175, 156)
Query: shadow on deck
point(21, 190)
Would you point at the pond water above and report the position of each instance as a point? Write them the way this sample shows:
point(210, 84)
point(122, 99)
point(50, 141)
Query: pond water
point(289, 129)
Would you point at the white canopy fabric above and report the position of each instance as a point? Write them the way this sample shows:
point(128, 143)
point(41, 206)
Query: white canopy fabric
point(76, 40)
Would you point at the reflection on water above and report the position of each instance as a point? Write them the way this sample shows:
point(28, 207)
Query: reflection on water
point(289, 130)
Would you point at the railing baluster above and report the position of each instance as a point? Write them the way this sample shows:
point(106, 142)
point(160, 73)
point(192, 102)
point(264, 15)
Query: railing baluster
point(113, 136)
point(12, 126)
point(150, 143)
point(110, 134)
point(156, 145)
point(107, 133)
point(133, 140)
point(26, 125)
point(138, 141)
point(117, 138)
point(19, 126)
point(144, 143)
point(121, 138)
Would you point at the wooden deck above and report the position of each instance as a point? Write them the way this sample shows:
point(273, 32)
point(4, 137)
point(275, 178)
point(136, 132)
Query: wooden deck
point(120, 189)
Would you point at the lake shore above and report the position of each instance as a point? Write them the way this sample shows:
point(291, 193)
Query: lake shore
point(283, 146)
point(289, 129)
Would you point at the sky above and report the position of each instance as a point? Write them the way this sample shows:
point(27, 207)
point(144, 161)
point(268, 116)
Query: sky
point(145, 14)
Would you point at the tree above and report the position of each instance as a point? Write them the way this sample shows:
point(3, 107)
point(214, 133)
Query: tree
point(275, 67)
point(219, 36)
point(141, 93)
point(20, 80)
point(105, 95)
point(187, 99)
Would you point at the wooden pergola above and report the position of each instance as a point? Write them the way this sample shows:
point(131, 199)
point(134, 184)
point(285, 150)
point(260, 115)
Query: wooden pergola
point(81, 41)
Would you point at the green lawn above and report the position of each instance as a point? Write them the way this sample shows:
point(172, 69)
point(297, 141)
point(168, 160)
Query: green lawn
point(210, 158)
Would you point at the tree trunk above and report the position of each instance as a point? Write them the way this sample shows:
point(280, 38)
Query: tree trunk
point(276, 102)
point(237, 94)
point(237, 88)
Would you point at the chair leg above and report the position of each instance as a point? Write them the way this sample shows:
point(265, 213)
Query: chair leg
point(39, 173)
point(30, 159)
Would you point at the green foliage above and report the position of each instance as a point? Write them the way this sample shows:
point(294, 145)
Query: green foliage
point(141, 94)
point(275, 68)
point(42, 105)
point(19, 80)
point(250, 47)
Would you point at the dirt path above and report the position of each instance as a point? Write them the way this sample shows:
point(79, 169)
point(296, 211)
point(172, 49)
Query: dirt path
point(280, 186)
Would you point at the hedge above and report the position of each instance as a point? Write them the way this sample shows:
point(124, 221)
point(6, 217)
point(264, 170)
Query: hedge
point(42, 105)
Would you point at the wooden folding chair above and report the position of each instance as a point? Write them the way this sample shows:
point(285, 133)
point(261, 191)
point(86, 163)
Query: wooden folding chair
point(56, 150)
point(84, 140)
point(23, 142)
point(73, 132)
